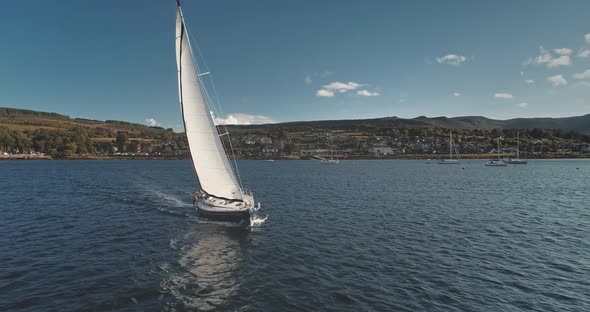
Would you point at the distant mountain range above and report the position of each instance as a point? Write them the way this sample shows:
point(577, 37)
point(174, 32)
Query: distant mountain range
point(580, 124)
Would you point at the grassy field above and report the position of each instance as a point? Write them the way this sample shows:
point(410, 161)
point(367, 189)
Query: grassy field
point(33, 122)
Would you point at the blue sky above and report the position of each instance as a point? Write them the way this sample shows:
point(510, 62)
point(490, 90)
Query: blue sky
point(299, 60)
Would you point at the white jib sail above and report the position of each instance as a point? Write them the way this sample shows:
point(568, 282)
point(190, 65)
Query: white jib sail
point(209, 159)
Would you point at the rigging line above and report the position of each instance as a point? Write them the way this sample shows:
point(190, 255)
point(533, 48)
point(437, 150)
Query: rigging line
point(212, 105)
point(209, 100)
point(205, 67)
point(235, 162)
point(231, 148)
point(216, 103)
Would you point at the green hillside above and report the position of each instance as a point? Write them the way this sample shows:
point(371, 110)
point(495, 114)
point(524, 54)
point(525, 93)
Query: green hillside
point(60, 136)
point(27, 131)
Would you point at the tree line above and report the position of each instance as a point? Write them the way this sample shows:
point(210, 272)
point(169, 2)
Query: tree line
point(80, 140)
point(101, 140)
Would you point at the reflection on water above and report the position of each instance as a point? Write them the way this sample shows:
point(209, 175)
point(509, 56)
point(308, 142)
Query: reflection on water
point(206, 274)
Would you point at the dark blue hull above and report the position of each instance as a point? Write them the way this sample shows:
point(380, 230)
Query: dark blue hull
point(234, 217)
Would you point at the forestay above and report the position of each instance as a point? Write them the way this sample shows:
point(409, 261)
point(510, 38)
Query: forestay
point(209, 159)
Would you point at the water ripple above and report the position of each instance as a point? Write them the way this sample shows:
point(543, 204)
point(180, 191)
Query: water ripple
point(361, 236)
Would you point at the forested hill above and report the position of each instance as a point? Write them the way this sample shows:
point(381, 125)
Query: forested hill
point(28, 131)
point(24, 131)
point(580, 124)
point(24, 119)
point(11, 117)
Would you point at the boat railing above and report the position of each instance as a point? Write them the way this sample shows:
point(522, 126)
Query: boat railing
point(247, 192)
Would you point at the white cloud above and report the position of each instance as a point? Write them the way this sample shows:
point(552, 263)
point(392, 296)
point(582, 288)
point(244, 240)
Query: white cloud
point(587, 37)
point(367, 93)
point(545, 57)
point(451, 59)
point(522, 105)
point(557, 80)
point(563, 51)
point(581, 84)
point(342, 87)
point(152, 122)
point(307, 79)
point(504, 96)
point(324, 93)
point(529, 81)
point(178, 128)
point(456, 94)
point(242, 119)
point(584, 53)
point(564, 60)
point(583, 75)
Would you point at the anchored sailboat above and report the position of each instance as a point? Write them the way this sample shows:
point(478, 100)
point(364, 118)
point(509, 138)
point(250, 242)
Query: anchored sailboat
point(517, 160)
point(331, 160)
point(450, 160)
point(221, 197)
point(498, 162)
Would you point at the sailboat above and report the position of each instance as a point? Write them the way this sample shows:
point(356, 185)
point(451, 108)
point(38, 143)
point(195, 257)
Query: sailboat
point(517, 160)
point(222, 197)
point(331, 160)
point(498, 162)
point(450, 160)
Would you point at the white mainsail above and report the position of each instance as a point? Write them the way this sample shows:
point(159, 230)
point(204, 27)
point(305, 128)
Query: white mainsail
point(209, 159)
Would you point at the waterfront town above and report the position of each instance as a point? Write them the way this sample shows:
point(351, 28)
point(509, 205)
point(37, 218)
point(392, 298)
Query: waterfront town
point(344, 144)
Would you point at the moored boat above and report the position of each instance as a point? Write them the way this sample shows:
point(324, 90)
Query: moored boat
point(450, 160)
point(497, 162)
point(517, 160)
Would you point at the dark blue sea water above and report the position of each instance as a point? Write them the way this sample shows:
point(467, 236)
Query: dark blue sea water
point(359, 236)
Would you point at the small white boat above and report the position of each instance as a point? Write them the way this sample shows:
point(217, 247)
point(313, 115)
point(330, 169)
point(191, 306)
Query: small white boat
point(515, 161)
point(496, 163)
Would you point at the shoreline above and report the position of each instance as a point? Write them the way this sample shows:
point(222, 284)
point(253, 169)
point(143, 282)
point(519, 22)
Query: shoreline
point(287, 158)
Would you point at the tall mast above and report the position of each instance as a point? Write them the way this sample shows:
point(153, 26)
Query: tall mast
point(450, 144)
point(331, 148)
point(517, 145)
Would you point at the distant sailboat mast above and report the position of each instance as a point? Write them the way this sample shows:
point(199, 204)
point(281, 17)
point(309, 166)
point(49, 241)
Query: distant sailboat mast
point(451, 144)
point(517, 160)
point(517, 145)
point(450, 160)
